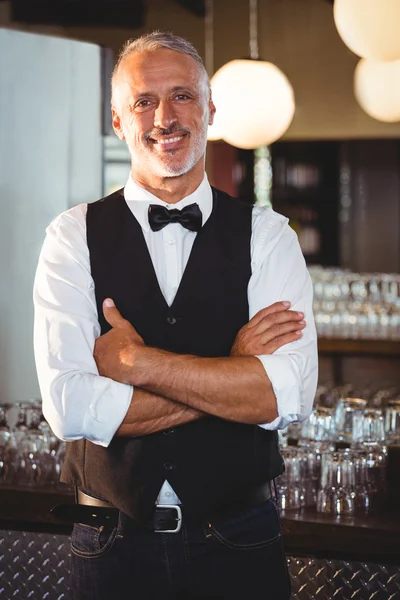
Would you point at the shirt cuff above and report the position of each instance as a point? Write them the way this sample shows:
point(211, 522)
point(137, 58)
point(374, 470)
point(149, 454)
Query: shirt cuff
point(286, 383)
point(101, 423)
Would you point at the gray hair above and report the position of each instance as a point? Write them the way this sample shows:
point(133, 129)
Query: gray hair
point(150, 42)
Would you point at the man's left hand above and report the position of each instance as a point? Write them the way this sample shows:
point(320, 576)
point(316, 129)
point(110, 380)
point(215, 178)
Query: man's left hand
point(116, 352)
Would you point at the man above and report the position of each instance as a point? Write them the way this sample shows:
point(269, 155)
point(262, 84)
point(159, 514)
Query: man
point(149, 365)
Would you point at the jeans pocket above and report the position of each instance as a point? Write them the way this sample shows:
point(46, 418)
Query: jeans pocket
point(256, 528)
point(92, 542)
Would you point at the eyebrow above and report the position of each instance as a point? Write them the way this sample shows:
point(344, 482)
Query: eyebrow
point(176, 88)
point(182, 88)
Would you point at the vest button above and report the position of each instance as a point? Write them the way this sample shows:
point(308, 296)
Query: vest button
point(168, 431)
point(171, 320)
point(169, 466)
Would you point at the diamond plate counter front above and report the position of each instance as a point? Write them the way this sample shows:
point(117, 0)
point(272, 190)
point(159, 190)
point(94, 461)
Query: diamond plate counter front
point(325, 579)
point(35, 566)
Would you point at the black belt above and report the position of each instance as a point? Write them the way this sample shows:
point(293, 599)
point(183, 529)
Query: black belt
point(165, 518)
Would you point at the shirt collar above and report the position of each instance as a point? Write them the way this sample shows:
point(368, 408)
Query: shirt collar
point(138, 200)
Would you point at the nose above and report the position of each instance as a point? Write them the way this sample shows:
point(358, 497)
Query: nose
point(164, 115)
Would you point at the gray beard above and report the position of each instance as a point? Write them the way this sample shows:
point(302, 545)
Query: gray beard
point(171, 169)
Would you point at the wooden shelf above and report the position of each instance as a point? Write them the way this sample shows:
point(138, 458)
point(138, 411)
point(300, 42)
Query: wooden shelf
point(297, 195)
point(365, 347)
point(369, 539)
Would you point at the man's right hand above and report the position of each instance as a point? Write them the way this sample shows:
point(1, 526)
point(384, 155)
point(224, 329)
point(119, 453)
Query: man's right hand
point(270, 329)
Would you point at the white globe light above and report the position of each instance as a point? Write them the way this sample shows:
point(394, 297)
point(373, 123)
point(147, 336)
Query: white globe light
point(213, 134)
point(255, 102)
point(377, 89)
point(370, 28)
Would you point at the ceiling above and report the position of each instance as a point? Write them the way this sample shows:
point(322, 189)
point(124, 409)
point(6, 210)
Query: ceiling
point(198, 7)
point(106, 13)
point(111, 13)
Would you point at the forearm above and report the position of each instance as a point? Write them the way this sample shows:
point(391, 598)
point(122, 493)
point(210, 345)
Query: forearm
point(149, 413)
point(233, 388)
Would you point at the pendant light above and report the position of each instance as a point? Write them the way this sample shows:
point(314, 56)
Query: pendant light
point(370, 28)
point(254, 97)
point(377, 89)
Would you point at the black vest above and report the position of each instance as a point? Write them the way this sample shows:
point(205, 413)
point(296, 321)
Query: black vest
point(205, 461)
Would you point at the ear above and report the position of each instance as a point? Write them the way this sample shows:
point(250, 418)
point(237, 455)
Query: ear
point(116, 123)
point(211, 112)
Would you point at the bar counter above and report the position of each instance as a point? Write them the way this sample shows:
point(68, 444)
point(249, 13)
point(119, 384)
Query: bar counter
point(373, 538)
point(347, 558)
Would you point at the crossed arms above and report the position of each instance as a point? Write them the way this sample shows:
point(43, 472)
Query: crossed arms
point(172, 389)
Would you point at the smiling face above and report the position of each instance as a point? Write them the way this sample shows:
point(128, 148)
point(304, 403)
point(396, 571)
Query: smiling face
point(162, 109)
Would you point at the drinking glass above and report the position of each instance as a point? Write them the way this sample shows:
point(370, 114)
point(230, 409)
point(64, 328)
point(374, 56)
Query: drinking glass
point(368, 426)
point(27, 463)
point(21, 427)
point(290, 485)
point(392, 420)
point(362, 493)
point(4, 427)
point(370, 465)
point(319, 425)
point(337, 493)
point(348, 410)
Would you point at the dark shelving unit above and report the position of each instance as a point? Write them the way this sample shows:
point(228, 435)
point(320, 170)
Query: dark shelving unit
point(306, 190)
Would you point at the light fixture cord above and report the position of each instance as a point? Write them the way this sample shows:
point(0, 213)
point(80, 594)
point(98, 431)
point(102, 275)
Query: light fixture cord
point(253, 31)
point(209, 37)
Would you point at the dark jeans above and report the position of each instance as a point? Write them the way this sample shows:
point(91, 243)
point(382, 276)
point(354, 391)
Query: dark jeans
point(231, 557)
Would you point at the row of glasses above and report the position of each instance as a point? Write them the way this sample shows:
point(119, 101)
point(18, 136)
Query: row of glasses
point(356, 305)
point(336, 459)
point(349, 419)
point(338, 482)
point(30, 454)
point(354, 421)
point(298, 486)
point(353, 481)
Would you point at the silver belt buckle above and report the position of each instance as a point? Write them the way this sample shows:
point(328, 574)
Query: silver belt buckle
point(178, 515)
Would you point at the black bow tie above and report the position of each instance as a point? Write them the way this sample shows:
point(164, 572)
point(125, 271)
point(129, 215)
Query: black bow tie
point(189, 217)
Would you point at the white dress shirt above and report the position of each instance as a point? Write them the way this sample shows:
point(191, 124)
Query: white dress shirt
point(77, 402)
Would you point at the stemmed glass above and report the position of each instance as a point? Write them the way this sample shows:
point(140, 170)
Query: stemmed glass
point(28, 468)
point(21, 426)
point(43, 448)
point(4, 426)
point(4, 442)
